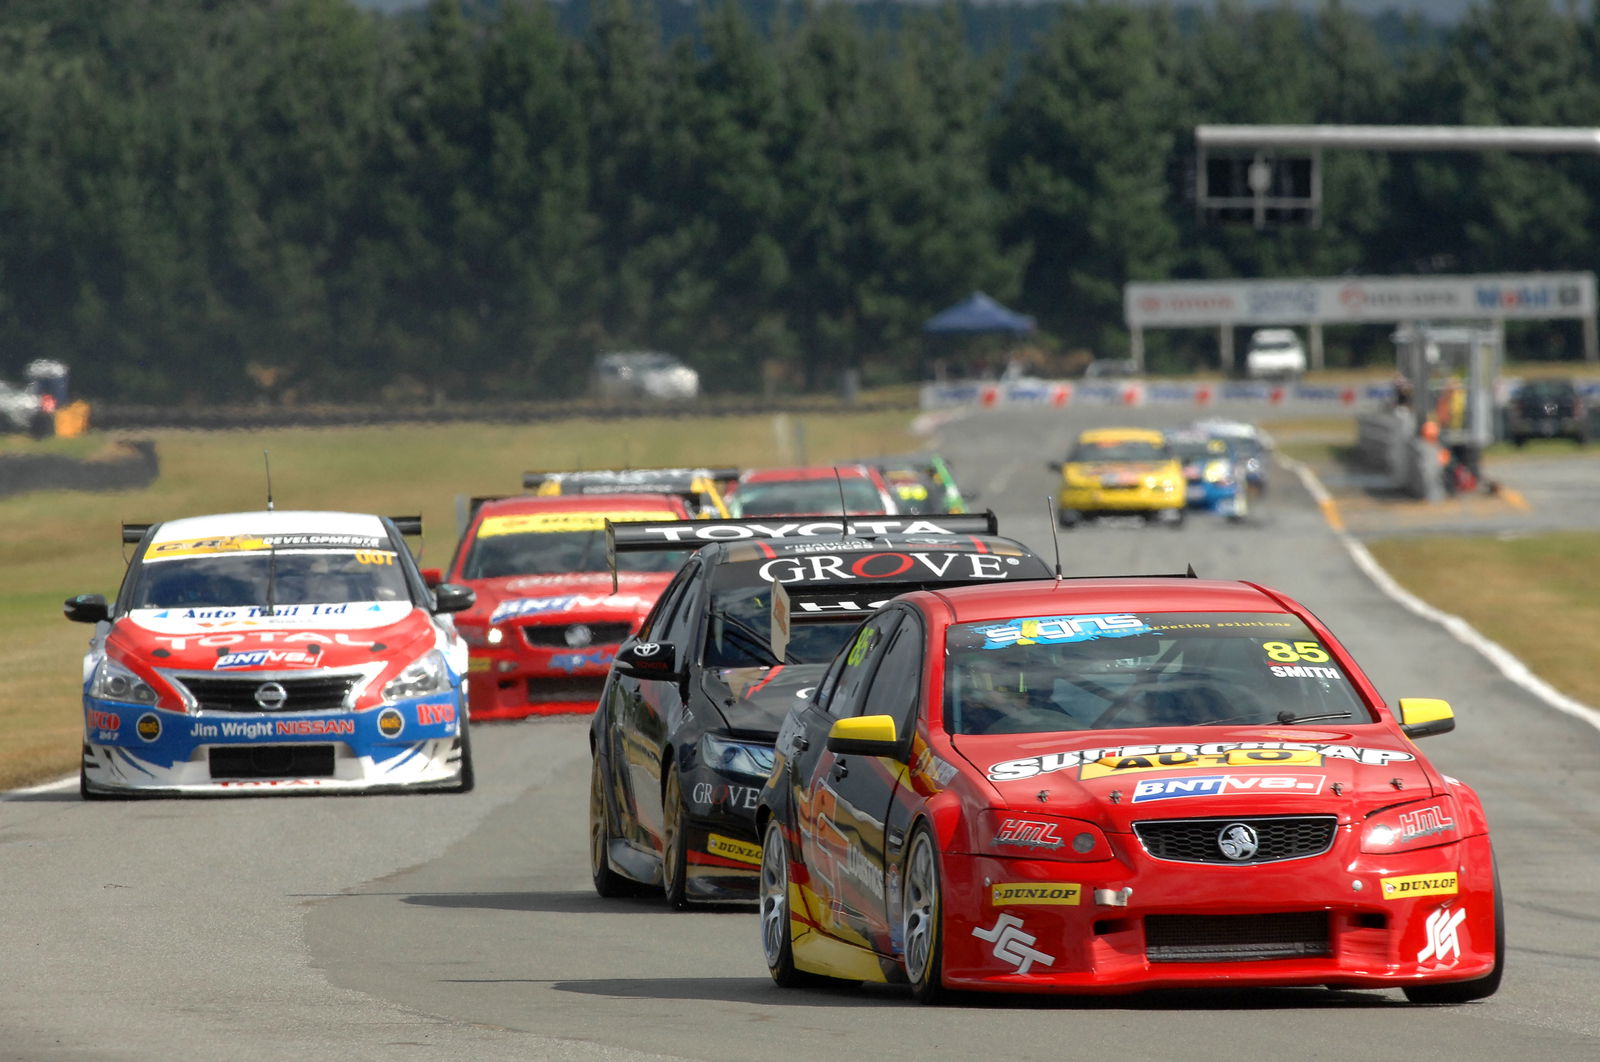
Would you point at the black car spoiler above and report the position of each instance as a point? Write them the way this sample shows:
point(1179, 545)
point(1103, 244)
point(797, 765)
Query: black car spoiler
point(644, 535)
point(631, 537)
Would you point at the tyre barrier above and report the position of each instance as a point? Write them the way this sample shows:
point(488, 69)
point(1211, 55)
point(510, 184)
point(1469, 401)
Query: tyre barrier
point(1062, 393)
point(134, 465)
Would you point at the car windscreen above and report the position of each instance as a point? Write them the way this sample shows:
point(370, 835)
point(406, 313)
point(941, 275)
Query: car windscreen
point(1041, 674)
point(1121, 450)
point(805, 496)
point(277, 577)
point(557, 544)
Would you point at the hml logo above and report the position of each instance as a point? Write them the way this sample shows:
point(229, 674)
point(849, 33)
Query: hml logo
point(1026, 833)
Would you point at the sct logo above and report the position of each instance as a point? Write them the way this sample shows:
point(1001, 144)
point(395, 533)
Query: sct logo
point(1226, 785)
point(1013, 945)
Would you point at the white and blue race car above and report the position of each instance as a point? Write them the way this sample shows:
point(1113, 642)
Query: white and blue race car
point(273, 652)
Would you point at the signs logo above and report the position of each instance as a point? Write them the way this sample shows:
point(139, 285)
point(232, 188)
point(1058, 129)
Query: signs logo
point(1012, 945)
point(1036, 894)
point(1101, 762)
point(1404, 888)
point(1214, 785)
point(1444, 943)
point(1425, 823)
point(271, 696)
point(1027, 833)
point(1238, 842)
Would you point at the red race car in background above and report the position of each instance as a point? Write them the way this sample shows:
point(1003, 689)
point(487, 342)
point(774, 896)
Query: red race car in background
point(1111, 784)
point(547, 619)
point(825, 490)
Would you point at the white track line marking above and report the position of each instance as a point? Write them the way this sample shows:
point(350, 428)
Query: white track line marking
point(1498, 655)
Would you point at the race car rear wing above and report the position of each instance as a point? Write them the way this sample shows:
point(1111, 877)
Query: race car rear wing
point(632, 537)
point(406, 525)
point(701, 487)
point(644, 535)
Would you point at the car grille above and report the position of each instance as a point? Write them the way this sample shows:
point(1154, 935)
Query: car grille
point(549, 635)
point(313, 693)
point(1197, 840)
point(1236, 938)
point(272, 761)
point(573, 689)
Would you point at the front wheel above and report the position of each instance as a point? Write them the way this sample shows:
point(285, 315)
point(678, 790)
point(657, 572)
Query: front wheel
point(607, 882)
point(467, 779)
point(777, 941)
point(923, 920)
point(1480, 988)
point(674, 843)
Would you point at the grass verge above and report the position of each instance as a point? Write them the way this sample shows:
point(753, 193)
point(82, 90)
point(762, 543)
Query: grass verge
point(1538, 596)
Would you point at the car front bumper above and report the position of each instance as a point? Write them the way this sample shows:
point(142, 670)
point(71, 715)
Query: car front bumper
point(134, 750)
point(1046, 926)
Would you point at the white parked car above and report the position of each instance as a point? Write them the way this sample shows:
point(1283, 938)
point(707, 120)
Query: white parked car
point(1275, 354)
point(644, 374)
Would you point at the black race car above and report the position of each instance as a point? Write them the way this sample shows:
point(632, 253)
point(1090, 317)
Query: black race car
point(683, 735)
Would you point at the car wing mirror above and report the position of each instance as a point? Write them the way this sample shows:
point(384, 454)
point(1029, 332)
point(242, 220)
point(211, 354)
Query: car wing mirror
point(450, 597)
point(1425, 716)
point(86, 608)
point(1054, 466)
point(864, 735)
point(648, 660)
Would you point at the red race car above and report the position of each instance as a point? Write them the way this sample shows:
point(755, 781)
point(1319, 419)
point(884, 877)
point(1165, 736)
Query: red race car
point(548, 620)
point(823, 490)
point(1103, 785)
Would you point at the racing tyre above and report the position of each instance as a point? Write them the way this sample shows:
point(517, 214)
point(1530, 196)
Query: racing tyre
point(88, 794)
point(777, 945)
point(607, 882)
point(923, 918)
point(1481, 988)
point(468, 778)
point(674, 843)
point(1067, 518)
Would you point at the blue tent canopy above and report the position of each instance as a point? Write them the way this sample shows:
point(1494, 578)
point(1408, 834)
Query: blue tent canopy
point(978, 313)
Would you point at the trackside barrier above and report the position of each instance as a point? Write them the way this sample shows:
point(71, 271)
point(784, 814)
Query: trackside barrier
point(1062, 393)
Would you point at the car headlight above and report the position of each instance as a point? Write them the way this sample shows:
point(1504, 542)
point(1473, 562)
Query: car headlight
point(113, 682)
point(1423, 824)
point(1217, 472)
point(737, 757)
point(1029, 835)
point(428, 673)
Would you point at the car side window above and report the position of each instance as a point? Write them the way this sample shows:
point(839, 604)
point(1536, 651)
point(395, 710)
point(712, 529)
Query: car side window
point(661, 616)
point(679, 624)
point(861, 656)
point(896, 688)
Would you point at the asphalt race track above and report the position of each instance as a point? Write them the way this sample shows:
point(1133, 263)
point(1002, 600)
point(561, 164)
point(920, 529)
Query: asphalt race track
point(464, 927)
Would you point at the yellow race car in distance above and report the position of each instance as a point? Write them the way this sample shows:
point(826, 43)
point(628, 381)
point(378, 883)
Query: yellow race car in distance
point(1120, 472)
